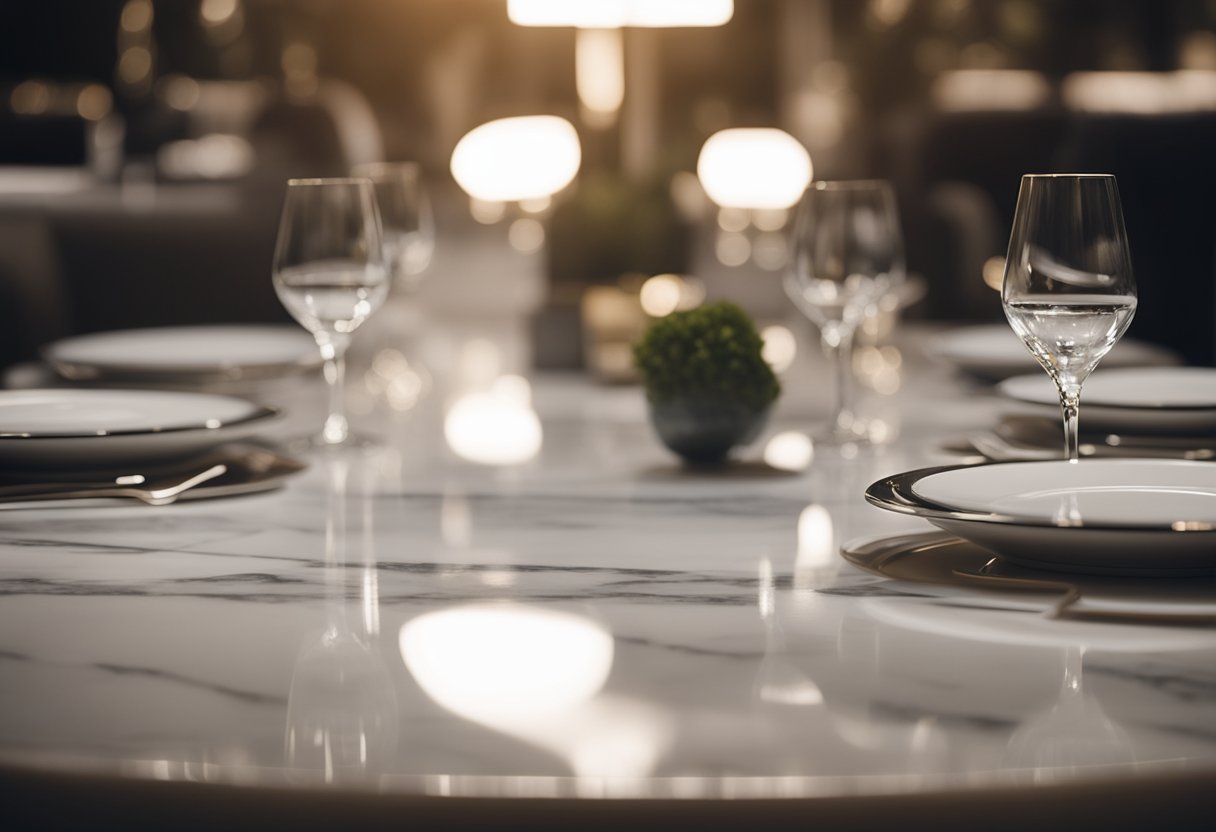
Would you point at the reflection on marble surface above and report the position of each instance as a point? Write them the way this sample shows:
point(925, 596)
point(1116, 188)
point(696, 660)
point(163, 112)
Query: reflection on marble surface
point(1072, 733)
point(604, 623)
point(342, 706)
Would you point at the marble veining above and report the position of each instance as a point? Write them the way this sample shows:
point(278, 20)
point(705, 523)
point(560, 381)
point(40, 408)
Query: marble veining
point(591, 622)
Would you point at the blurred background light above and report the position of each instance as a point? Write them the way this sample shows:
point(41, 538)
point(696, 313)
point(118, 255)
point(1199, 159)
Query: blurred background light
point(526, 235)
point(754, 167)
point(495, 427)
point(780, 347)
point(1140, 93)
point(514, 159)
point(994, 273)
point(816, 539)
point(599, 74)
point(602, 14)
point(991, 89)
point(666, 293)
point(214, 156)
point(789, 451)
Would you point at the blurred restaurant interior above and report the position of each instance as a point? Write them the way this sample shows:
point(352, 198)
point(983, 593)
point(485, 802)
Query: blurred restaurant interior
point(506, 588)
point(144, 146)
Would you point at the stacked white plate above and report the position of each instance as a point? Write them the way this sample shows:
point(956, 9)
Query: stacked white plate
point(82, 429)
point(1160, 400)
point(184, 355)
point(1101, 516)
point(994, 352)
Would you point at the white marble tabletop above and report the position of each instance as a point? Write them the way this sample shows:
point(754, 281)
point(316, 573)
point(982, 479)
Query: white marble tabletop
point(583, 619)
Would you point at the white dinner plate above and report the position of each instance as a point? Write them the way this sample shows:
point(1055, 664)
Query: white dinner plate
point(91, 428)
point(1103, 516)
point(994, 351)
point(195, 353)
point(1144, 400)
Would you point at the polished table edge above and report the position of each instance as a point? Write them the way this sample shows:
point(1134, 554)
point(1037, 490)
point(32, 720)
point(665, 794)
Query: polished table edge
point(44, 798)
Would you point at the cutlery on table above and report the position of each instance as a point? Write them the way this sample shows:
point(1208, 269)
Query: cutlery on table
point(1005, 444)
point(1065, 607)
point(998, 448)
point(160, 491)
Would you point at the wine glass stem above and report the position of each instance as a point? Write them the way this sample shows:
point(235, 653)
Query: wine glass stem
point(838, 343)
point(1070, 404)
point(336, 429)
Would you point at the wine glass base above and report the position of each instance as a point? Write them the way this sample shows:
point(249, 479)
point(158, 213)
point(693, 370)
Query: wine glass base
point(318, 442)
point(858, 432)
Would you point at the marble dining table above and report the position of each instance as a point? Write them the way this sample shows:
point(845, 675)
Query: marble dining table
point(517, 610)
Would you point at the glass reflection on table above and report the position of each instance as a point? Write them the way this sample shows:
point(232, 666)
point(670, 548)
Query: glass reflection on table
point(342, 705)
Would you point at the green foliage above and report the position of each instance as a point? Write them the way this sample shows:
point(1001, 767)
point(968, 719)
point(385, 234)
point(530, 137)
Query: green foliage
point(712, 353)
point(610, 227)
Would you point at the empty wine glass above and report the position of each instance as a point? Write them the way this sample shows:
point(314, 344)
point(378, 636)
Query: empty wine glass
point(847, 252)
point(329, 273)
point(405, 217)
point(1068, 290)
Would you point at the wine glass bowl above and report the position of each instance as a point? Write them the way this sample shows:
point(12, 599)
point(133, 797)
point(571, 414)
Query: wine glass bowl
point(1068, 289)
point(329, 273)
point(847, 253)
point(406, 218)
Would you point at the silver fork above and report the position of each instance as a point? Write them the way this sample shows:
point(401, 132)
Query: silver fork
point(159, 492)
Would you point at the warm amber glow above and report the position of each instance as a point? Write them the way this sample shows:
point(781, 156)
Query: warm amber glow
point(994, 273)
point(666, 293)
point(605, 14)
point(135, 65)
point(599, 73)
point(136, 16)
point(732, 249)
point(487, 213)
point(660, 295)
point(214, 156)
point(181, 92)
point(513, 159)
point(217, 12)
point(780, 347)
point(1145, 93)
point(789, 451)
point(991, 89)
point(30, 98)
point(526, 235)
point(759, 168)
point(94, 102)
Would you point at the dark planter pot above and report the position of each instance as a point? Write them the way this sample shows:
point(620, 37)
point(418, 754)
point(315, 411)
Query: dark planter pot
point(703, 432)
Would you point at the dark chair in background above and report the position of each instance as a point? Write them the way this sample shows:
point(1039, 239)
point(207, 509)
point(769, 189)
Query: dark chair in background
point(1166, 171)
point(958, 176)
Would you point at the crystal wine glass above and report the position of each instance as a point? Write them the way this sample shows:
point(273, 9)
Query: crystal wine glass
point(1068, 290)
point(847, 253)
point(405, 216)
point(329, 272)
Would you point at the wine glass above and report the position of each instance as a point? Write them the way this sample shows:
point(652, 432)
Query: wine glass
point(329, 273)
point(847, 253)
point(1068, 290)
point(405, 216)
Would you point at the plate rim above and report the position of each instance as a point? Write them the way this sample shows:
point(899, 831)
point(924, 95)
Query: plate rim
point(895, 493)
point(257, 412)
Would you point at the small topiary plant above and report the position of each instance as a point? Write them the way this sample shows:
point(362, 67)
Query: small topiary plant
point(706, 379)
